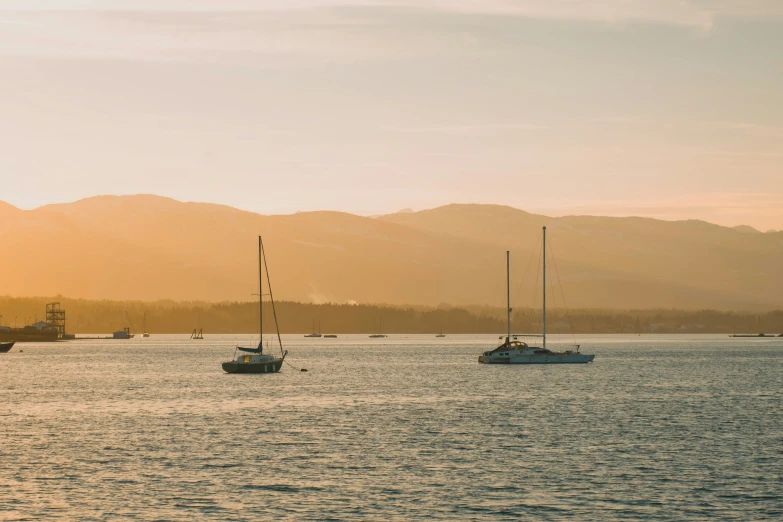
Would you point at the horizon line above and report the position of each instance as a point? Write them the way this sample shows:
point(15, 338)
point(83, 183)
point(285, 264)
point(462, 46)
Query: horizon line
point(533, 212)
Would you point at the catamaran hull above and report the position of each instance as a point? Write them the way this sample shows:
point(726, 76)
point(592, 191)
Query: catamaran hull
point(270, 367)
point(548, 359)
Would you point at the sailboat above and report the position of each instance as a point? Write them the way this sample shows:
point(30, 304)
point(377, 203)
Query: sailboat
point(512, 351)
point(441, 334)
point(144, 326)
point(315, 334)
point(380, 333)
point(253, 360)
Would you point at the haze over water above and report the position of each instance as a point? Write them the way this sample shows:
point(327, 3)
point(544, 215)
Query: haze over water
point(659, 427)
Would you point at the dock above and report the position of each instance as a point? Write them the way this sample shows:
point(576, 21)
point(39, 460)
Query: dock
point(111, 338)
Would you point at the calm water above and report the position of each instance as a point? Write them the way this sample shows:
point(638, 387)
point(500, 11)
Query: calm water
point(658, 427)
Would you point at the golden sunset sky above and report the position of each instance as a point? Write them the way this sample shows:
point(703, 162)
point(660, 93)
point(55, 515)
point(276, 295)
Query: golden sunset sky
point(664, 108)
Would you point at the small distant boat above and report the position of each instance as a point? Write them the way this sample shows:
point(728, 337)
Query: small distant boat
point(315, 334)
point(330, 336)
point(253, 360)
point(197, 335)
point(380, 333)
point(5, 347)
point(122, 334)
point(512, 351)
point(144, 326)
point(441, 334)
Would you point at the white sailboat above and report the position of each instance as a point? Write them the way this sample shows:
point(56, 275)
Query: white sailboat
point(144, 326)
point(512, 351)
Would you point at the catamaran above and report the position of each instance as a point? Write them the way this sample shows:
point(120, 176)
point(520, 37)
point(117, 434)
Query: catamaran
point(253, 360)
point(512, 351)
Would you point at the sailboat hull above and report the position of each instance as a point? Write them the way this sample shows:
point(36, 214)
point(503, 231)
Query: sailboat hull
point(538, 359)
point(267, 367)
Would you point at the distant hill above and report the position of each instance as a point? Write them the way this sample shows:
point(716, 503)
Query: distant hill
point(746, 229)
point(6, 211)
point(149, 247)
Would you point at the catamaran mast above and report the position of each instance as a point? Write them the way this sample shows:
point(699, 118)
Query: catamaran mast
point(508, 296)
point(544, 287)
point(260, 298)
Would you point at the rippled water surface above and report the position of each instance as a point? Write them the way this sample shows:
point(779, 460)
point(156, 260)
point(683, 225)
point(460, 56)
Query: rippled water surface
point(658, 427)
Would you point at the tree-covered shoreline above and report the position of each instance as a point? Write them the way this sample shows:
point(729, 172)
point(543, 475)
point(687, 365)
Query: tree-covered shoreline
point(90, 316)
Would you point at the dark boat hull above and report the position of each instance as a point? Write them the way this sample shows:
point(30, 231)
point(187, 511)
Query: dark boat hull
point(269, 367)
point(5, 347)
point(28, 335)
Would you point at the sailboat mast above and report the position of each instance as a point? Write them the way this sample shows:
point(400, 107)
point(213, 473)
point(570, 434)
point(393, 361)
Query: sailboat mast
point(508, 296)
point(544, 287)
point(260, 297)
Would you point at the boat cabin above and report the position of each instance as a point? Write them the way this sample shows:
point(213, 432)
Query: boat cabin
point(507, 347)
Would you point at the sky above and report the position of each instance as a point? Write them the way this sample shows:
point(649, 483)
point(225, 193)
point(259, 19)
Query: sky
point(665, 108)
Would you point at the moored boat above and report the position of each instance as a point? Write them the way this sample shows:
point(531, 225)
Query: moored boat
point(5, 347)
point(315, 334)
point(144, 332)
point(29, 334)
point(380, 333)
point(254, 360)
point(518, 352)
point(122, 334)
point(513, 351)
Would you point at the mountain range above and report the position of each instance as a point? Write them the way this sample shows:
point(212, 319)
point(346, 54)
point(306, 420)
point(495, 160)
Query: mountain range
point(149, 248)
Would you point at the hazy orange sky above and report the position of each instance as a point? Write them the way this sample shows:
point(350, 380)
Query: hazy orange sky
point(666, 108)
